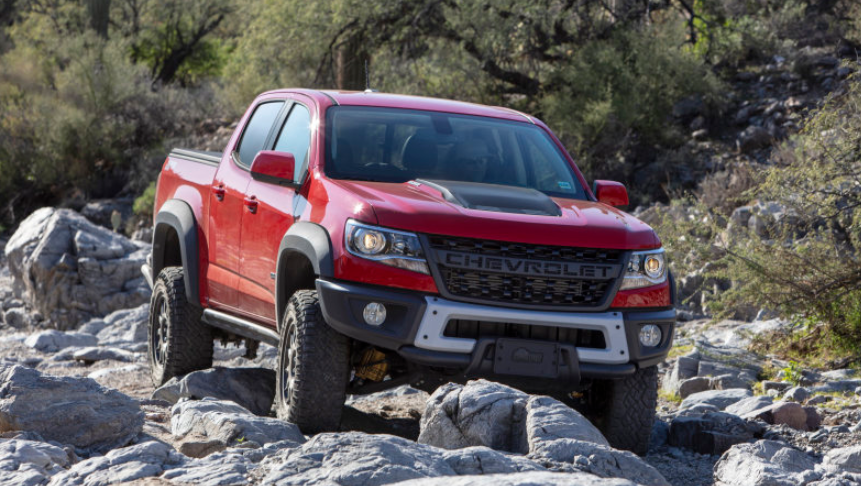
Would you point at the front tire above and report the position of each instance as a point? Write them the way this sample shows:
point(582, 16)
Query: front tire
point(626, 409)
point(313, 367)
point(178, 342)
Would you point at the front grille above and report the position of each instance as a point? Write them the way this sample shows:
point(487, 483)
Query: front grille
point(523, 250)
point(581, 338)
point(520, 289)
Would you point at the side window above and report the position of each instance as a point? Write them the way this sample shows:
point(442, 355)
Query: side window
point(295, 138)
point(257, 131)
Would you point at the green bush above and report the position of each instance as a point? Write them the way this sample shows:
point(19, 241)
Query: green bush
point(805, 265)
point(144, 204)
point(617, 95)
point(730, 35)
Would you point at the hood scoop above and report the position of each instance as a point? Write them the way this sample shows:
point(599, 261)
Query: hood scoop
point(495, 197)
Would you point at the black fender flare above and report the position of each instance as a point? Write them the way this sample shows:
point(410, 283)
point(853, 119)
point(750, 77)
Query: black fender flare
point(311, 241)
point(177, 215)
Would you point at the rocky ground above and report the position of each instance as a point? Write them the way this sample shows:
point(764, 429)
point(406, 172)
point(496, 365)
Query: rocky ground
point(77, 406)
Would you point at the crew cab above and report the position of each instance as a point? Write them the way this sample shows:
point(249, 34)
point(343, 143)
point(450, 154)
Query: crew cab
point(379, 239)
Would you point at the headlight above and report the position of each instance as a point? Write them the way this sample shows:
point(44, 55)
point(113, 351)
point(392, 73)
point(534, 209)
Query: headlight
point(645, 268)
point(390, 247)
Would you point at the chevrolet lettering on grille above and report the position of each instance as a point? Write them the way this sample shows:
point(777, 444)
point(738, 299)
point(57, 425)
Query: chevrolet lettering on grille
point(526, 267)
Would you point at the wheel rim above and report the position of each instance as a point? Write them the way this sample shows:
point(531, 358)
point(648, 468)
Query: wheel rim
point(288, 364)
point(158, 339)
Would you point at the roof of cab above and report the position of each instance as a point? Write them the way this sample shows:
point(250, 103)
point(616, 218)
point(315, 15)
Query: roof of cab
point(388, 100)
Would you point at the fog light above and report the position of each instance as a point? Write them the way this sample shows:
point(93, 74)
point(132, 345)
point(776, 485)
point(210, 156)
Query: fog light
point(375, 314)
point(650, 335)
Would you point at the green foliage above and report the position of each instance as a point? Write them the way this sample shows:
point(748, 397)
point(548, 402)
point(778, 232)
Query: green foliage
point(672, 397)
point(804, 262)
point(616, 93)
point(793, 373)
point(143, 205)
point(727, 34)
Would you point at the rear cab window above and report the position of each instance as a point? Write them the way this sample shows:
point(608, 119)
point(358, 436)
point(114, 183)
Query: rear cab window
point(257, 131)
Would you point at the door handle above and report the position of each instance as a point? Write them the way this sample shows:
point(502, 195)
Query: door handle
point(251, 204)
point(218, 191)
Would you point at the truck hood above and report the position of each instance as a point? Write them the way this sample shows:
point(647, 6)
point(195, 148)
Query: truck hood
point(427, 207)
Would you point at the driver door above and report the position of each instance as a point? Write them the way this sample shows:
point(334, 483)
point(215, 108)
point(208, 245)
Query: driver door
point(273, 213)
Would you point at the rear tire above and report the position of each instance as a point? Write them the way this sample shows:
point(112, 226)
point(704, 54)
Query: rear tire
point(178, 342)
point(313, 367)
point(626, 409)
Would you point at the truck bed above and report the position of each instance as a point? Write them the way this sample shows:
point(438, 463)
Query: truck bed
point(201, 156)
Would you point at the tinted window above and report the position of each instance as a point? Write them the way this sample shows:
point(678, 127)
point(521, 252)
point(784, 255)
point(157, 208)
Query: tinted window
point(257, 130)
point(295, 138)
point(397, 145)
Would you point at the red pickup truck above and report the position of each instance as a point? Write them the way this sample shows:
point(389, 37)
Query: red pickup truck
point(381, 239)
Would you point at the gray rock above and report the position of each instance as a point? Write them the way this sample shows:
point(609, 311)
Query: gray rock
point(548, 420)
point(521, 479)
point(743, 115)
point(753, 137)
point(227, 422)
point(71, 270)
point(482, 460)
point(694, 385)
point(763, 463)
point(221, 469)
point(789, 413)
point(729, 382)
point(252, 388)
point(776, 385)
point(796, 394)
point(93, 326)
point(750, 407)
point(709, 433)
point(829, 62)
point(554, 435)
point(354, 458)
point(75, 411)
point(840, 386)
point(483, 413)
point(844, 458)
point(17, 318)
point(139, 461)
point(717, 398)
point(814, 421)
point(818, 400)
point(684, 368)
point(51, 341)
point(30, 463)
point(125, 326)
point(101, 211)
point(688, 108)
point(93, 354)
point(838, 375)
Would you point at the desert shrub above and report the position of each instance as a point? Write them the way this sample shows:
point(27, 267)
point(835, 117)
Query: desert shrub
point(617, 95)
point(804, 262)
point(75, 114)
point(144, 203)
point(725, 190)
point(732, 33)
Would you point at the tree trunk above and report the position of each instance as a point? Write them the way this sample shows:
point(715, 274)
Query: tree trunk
point(350, 65)
point(100, 15)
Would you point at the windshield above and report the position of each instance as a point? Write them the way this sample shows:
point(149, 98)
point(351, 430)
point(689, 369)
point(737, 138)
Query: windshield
point(397, 145)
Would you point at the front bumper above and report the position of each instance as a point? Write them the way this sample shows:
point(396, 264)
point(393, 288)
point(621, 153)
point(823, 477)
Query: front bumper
point(415, 328)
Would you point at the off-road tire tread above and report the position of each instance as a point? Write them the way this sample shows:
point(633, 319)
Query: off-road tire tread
point(190, 341)
point(322, 368)
point(630, 410)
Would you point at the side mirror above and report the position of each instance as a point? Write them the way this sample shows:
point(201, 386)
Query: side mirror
point(274, 168)
point(610, 193)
